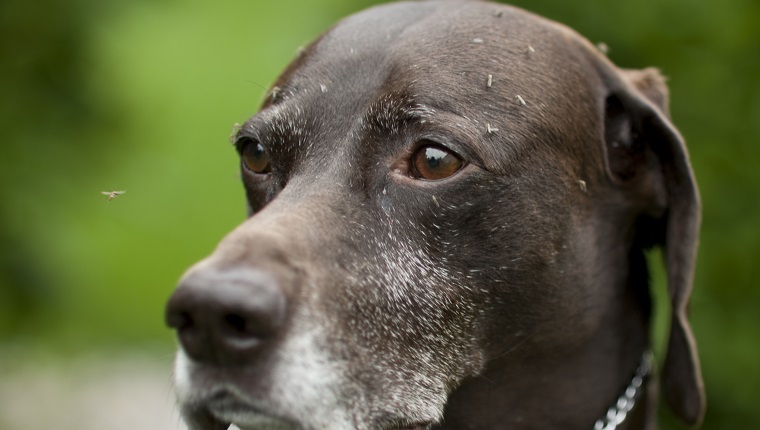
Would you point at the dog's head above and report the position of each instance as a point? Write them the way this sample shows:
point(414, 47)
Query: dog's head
point(449, 203)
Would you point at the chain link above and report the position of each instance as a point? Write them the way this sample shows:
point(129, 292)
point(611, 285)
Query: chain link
point(619, 411)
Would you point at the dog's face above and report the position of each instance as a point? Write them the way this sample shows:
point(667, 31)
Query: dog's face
point(424, 185)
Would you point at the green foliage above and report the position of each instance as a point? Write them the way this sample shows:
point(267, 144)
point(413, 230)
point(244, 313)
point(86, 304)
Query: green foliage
point(141, 96)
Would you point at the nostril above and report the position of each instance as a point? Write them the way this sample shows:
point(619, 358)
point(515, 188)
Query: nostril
point(240, 333)
point(189, 331)
point(179, 320)
point(235, 324)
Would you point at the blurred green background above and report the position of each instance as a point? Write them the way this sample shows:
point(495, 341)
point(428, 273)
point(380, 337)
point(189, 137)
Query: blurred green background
point(141, 96)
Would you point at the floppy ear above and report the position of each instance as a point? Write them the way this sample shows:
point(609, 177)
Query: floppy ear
point(647, 156)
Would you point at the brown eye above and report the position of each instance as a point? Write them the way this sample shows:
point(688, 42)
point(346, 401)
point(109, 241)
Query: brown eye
point(432, 162)
point(255, 158)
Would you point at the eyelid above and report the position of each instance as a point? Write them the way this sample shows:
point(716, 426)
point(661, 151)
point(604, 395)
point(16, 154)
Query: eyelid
point(248, 132)
point(451, 142)
point(454, 131)
point(432, 141)
point(244, 140)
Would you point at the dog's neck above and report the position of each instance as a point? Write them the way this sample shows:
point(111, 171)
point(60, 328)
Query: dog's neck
point(524, 389)
point(490, 401)
point(529, 397)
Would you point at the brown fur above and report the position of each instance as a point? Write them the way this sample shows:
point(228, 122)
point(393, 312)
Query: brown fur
point(511, 295)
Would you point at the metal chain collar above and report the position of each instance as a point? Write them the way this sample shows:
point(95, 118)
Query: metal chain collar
point(619, 411)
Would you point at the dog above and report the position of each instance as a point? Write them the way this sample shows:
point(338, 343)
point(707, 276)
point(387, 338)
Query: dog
point(449, 208)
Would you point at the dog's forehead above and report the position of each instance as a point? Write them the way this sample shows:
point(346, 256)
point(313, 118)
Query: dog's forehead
point(498, 67)
point(436, 42)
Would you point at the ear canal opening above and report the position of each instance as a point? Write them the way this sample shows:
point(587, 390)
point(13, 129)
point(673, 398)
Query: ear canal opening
point(631, 156)
point(627, 155)
point(617, 136)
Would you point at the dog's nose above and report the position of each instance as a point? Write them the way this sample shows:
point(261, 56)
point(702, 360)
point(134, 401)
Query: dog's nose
point(223, 316)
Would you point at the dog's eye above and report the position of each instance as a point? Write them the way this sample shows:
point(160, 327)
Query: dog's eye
point(255, 158)
point(433, 162)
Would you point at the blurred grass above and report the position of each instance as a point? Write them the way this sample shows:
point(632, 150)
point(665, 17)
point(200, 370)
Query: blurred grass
point(141, 96)
point(164, 83)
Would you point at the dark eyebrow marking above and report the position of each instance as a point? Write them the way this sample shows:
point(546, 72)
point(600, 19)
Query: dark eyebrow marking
point(278, 128)
point(392, 111)
point(290, 125)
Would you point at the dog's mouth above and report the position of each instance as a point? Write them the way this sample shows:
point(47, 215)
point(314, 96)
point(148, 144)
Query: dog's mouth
point(224, 410)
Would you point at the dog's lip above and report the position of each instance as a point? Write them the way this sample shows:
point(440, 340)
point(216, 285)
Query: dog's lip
point(407, 424)
point(227, 409)
point(224, 408)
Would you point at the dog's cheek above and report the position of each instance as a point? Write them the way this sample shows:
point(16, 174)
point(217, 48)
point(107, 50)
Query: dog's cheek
point(525, 255)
